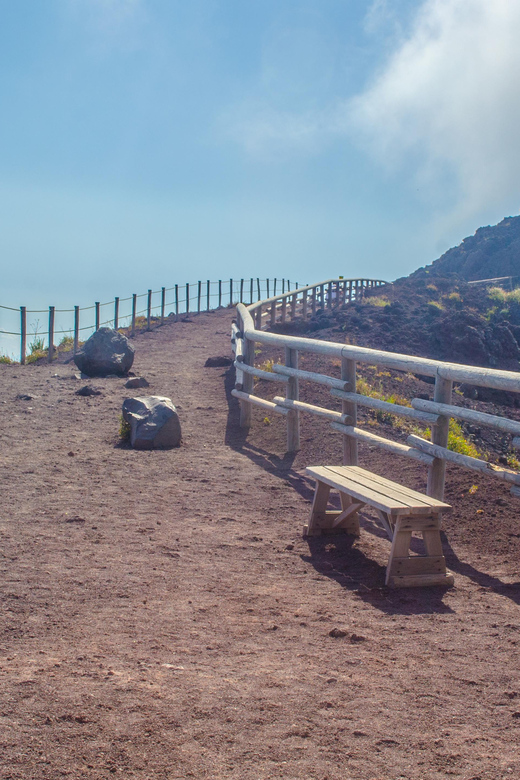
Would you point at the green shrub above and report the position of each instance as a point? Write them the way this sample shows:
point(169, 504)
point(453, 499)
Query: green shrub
point(66, 343)
point(124, 429)
point(378, 301)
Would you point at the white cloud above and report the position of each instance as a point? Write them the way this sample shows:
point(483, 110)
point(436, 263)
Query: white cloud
point(446, 103)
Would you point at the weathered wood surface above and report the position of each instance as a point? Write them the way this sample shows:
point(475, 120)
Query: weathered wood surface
point(254, 399)
point(463, 460)
point(402, 512)
point(260, 373)
point(469, 415)
point(386, 444)
point(486, 377)
point(311, 409)
point(383, 494)
point(385, 406)
point(310, 376)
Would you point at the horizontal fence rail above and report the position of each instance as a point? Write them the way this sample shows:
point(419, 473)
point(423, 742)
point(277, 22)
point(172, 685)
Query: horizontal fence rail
point(253, 319)
point(147, 309)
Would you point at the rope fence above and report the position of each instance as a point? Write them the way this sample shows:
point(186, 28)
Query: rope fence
point(149, 309)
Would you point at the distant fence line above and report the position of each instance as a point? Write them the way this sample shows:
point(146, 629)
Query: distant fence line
point(189, 298)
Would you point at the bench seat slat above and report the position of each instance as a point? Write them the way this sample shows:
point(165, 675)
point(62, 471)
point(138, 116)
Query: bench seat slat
point(387, 489)
point(377, 491)
point(360, 492)
point(371, 479)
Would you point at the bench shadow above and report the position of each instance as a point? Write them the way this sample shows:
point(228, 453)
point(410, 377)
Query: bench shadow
point(510, 590)
point(336, 557)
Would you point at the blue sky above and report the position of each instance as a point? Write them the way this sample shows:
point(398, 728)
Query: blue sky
point(149, 142)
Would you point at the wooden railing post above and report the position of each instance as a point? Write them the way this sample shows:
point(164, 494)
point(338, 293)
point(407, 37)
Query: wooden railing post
point(23, 334)
point(76, 329)
point(293, 305)
point(304, 304)
point(350, 445)
point(313, 301)
point(284, 308)
point(437, 470)
point(273, 313)
point(247, 382)
point(258, 318)
point(51, 333)
point(292, 392)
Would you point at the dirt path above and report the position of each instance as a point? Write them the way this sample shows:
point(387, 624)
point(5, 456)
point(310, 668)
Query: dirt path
point(163, 618)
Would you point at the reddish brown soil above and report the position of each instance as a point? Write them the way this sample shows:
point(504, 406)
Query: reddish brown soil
point(164, 618)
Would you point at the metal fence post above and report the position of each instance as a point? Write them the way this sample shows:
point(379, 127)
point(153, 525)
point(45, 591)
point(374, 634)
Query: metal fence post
point(163, 303)
point(116, 313)
point(76, 329)
point(51, 333)
point(149, 310)
point(97, 314)
point(134, 312)
point(23, 334)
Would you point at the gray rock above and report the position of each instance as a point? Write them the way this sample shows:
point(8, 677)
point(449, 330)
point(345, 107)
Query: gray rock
point(154, 422)
point(88, 390)
point(137, 381)
point(106, 352)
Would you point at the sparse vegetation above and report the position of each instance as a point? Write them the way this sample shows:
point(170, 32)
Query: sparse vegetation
point(378, 300)
point(267, 365)
point(66, 343)
point(458, 442)
point(6, 359)
point(124, 429)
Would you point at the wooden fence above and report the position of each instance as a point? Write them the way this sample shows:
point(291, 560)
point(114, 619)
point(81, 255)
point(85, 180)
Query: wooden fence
point(249, 330)
point(149, 308)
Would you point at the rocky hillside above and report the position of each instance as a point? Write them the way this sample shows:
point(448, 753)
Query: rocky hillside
point(492, 252)
point(436, 313)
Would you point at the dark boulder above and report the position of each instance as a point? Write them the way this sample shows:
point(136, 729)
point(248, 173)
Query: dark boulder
point(106, 352)
point(154, 422)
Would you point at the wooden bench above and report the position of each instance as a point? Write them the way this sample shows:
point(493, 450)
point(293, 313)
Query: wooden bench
point(401, 512)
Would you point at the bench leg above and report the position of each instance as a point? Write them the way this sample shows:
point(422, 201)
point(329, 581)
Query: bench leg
point(331, 521)
point(405, 570)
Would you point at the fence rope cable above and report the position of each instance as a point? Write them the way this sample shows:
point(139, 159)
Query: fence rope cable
point(182, 299)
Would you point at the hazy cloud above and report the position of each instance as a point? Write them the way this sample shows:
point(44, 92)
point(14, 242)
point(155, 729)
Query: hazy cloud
point(446, 104)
